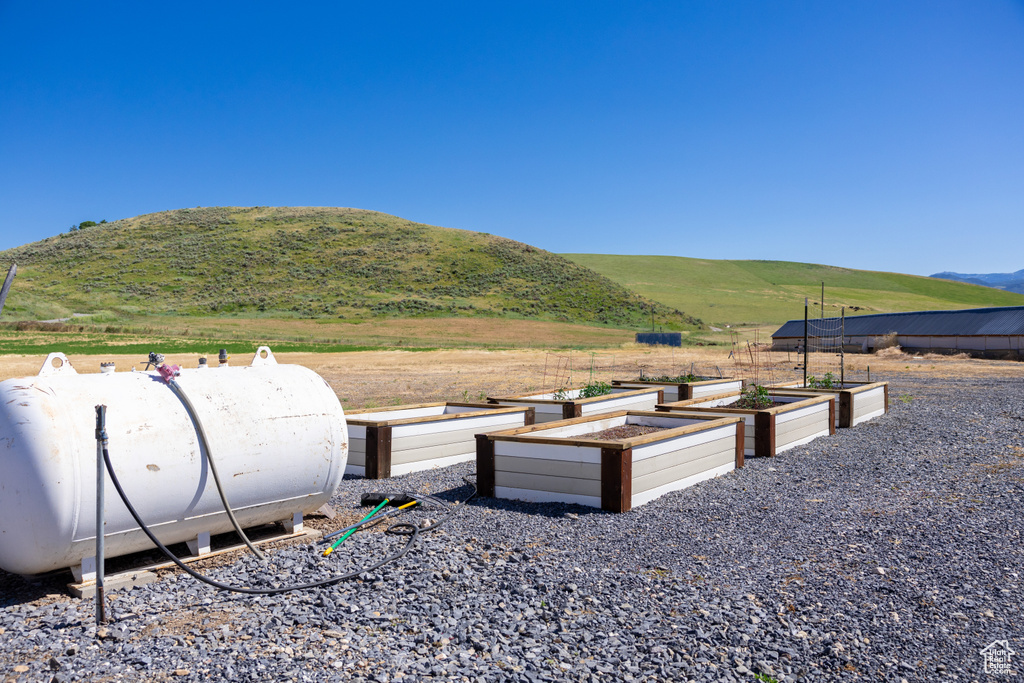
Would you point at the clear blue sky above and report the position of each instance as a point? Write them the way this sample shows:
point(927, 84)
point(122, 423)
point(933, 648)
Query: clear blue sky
point(883, 135)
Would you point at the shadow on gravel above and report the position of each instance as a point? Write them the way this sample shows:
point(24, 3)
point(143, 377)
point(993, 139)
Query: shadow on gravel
point(550, 510)
point(18, 590)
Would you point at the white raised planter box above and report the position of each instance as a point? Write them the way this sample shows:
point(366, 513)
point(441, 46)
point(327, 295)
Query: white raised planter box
point(549, 409)
point(682, 391)
point(858, 401)
point(770, 431)
point(553, 463)
point(403, 439)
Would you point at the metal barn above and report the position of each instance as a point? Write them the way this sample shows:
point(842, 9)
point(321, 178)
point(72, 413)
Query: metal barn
point(985, 332)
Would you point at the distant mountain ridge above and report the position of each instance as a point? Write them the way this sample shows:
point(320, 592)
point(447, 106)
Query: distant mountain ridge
point(1011, 282)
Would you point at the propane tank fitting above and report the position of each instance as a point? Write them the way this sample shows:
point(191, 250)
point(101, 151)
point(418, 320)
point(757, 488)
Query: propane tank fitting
point(222, 357)
point(202, 363)
point(106, 367)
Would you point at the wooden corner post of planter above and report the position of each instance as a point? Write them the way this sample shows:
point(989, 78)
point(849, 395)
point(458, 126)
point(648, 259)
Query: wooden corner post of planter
point(845, 409)
point(530, 417)
point(764, 434)
point(832, 415)
point(484, 466)
point(741, 438)
point(571, 410)
point(616, 479)
point(378, 452)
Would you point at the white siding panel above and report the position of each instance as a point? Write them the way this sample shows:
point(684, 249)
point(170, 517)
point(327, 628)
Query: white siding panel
point(679, 443)
point(445, 450)
point(397, 414)
point(801, 413)
point(642, 402)
point(519, 449)
point(651, 494)
point(406, 468)
point(554, 468)
point(717, 388)
point(537, 482)
point(482, 424)
point(531, 496)
point(456, 410)
point(683, 464)
point(800, 442)
point(579, 429)
point(868, 416)
point(667, 420)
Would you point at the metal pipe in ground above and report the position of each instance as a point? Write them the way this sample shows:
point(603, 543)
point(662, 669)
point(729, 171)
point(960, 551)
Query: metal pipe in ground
point(101, 443)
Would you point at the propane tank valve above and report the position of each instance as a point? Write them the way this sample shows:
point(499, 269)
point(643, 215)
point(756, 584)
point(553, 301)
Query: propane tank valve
point(168, 372)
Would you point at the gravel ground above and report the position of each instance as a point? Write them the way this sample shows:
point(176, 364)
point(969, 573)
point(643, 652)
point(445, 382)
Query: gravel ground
point(889, 551)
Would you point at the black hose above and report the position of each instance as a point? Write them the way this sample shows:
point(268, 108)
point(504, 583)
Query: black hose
point(180, 393)
point(400, 529)
point(378, 518)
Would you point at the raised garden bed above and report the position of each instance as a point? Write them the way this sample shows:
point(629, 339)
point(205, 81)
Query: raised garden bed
point(558, 462)
point(682, 391)
point(564, 405)
point(409, 438)
point(858, 401)
point(769, 431)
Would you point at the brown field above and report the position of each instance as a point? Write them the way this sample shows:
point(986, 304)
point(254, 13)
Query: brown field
point(379, 378)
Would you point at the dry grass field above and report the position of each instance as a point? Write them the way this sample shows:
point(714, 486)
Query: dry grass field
point(380, 378)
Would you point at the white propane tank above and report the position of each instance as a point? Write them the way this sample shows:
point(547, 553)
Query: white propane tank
point(277, 435)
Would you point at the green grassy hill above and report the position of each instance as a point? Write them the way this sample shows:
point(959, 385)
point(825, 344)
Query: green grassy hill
point(772, 292)
point(309, 263)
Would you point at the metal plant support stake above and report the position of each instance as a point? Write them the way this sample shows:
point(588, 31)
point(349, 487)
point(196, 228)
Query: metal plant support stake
point(842, 348)
point(806, 350)
point(101, 443)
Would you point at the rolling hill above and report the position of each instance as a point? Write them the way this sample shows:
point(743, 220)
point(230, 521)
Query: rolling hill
point(772, 292)
point(345, 264)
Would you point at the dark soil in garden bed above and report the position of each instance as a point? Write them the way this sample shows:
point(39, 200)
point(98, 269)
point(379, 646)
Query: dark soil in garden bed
point(773, 404)
point(621, 432)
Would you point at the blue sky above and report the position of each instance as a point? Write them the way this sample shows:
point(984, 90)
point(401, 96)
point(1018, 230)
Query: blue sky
point(877, 135)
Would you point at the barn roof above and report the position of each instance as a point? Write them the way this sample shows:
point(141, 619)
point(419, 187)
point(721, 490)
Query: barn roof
point(1003, 321)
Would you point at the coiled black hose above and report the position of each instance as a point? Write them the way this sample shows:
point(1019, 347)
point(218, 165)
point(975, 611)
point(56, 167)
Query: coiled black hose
point(400, 529)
